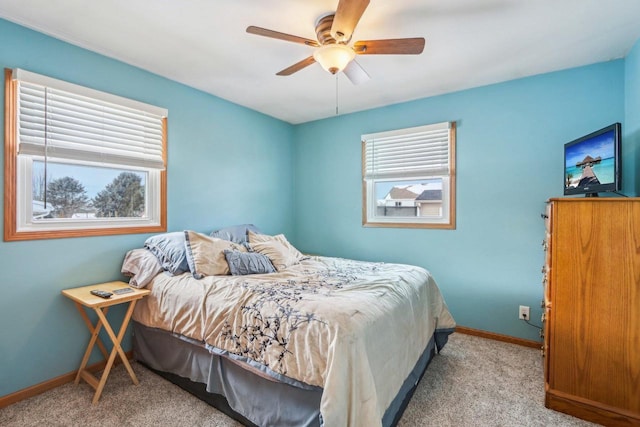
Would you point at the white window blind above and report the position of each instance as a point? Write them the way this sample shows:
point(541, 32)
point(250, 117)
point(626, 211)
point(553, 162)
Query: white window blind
point(407, 153)
point(66, 121)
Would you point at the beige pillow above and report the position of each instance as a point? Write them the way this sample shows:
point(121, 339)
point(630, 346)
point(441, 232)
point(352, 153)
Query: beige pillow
point(277, 248)
point(205, 254)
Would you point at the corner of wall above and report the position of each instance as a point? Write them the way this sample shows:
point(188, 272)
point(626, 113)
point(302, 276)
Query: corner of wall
point(631, 131)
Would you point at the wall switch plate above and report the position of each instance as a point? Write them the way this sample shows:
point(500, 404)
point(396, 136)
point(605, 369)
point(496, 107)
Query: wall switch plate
point(523, 313)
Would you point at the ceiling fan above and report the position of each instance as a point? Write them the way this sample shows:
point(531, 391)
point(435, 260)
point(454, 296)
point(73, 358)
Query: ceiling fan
point(333, 52)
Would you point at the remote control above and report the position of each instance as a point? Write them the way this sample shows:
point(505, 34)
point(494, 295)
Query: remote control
point(101, 294)
point(122, 291)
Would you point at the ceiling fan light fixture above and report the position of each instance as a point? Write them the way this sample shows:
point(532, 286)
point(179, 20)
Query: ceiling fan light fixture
point(334, 57)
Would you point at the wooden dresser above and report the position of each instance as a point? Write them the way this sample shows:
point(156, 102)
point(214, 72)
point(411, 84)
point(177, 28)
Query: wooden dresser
point(592, 309)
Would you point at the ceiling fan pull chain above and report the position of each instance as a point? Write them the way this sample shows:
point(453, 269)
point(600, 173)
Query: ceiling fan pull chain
point(336, 93)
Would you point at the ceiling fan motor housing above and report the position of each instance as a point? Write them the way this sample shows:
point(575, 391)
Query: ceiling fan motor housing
point(323, 29)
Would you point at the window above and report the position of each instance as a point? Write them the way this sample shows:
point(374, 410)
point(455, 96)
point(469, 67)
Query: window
point(409, 177)
point(79, 162)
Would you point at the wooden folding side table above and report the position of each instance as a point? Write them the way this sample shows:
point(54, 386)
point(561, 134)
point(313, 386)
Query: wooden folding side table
point(83, 298)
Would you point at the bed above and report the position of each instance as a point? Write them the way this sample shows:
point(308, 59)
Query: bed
point(320, 341)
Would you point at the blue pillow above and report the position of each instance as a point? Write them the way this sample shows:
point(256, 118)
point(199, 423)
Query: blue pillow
point(236, 233)
point(170, 250)
point(243, 263)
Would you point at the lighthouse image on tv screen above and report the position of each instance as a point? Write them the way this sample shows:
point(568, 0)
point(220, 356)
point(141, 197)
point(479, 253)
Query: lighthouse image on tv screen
point(590, 162)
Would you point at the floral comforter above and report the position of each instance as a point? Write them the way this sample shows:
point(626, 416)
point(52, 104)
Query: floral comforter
point(354, 328)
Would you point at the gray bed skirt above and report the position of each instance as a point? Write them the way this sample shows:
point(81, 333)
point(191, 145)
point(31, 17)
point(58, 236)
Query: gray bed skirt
point(245, 396)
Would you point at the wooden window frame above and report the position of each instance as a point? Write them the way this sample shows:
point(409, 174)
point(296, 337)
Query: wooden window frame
point(450, 225)
point(10, 183)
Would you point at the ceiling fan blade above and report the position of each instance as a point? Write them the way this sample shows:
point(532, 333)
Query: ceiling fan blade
point(296, 67)
point(356, 73)
point(280, 36)
point(346, 18)
point(412, 46)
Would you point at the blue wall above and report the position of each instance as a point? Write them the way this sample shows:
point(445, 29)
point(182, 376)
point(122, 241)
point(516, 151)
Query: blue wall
point(631, 130)
point(510, 139)
point(226, 165)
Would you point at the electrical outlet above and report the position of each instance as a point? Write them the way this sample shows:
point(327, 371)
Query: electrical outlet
point(524, 312)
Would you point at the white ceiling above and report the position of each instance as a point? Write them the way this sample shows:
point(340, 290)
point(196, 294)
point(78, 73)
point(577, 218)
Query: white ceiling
point(469, 43)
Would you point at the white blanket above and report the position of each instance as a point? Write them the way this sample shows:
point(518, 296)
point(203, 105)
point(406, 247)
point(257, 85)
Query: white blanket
point(356, 329)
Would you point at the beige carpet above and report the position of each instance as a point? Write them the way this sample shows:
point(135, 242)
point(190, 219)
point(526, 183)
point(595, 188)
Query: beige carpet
point(473, 382)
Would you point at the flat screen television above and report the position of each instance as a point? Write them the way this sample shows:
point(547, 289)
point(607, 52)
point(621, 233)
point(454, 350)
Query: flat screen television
point(593, 163)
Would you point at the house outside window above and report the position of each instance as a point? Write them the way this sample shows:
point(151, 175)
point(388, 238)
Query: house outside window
point(409, 177)
point(80, 162)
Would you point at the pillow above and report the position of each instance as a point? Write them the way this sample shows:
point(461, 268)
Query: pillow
point(236, 233)
point(142, 266)
point(281, 253)
point(243, 263)
point(170, 251)
point(205, 254)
